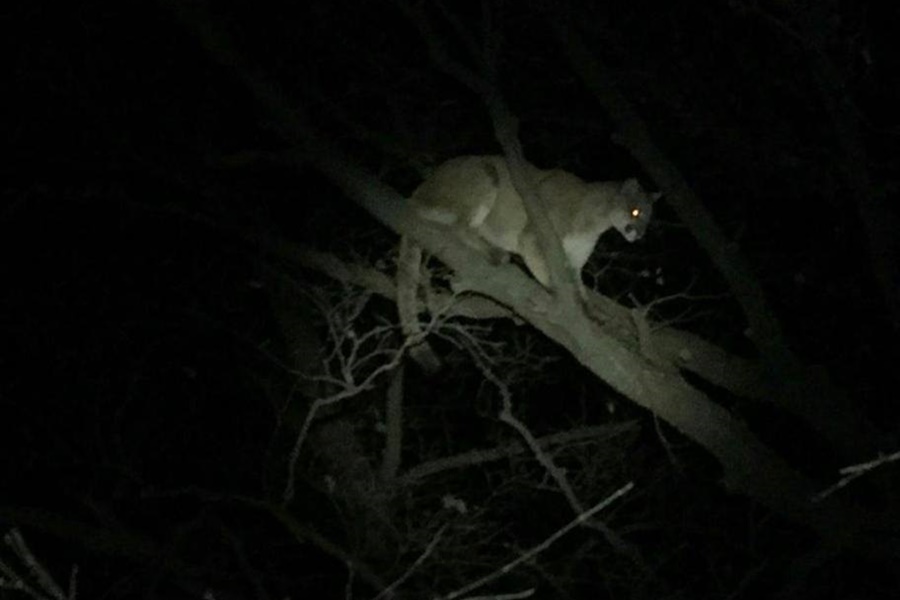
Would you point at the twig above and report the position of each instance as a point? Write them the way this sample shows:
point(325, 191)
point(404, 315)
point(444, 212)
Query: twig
point(508, 567)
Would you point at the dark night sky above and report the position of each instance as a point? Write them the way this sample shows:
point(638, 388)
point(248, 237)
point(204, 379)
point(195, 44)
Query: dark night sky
point(148, 347)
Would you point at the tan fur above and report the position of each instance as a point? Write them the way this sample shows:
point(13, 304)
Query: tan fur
point(409, 263)
point(476, 198)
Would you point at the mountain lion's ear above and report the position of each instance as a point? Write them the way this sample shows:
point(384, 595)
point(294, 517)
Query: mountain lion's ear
point(631, 187)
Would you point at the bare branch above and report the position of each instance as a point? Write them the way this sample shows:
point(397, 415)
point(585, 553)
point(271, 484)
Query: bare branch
point(527, 556)
point(47, 588)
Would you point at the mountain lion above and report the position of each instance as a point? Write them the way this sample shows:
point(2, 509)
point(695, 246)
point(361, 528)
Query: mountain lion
point(475, 196)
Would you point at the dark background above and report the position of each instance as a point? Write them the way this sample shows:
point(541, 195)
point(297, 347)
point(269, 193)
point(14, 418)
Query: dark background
point(147, 362)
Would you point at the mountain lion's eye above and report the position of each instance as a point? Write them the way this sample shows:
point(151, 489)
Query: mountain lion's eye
point(635, 212)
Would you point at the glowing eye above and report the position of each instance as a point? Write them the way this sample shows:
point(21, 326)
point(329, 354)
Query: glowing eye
point(635, 212)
